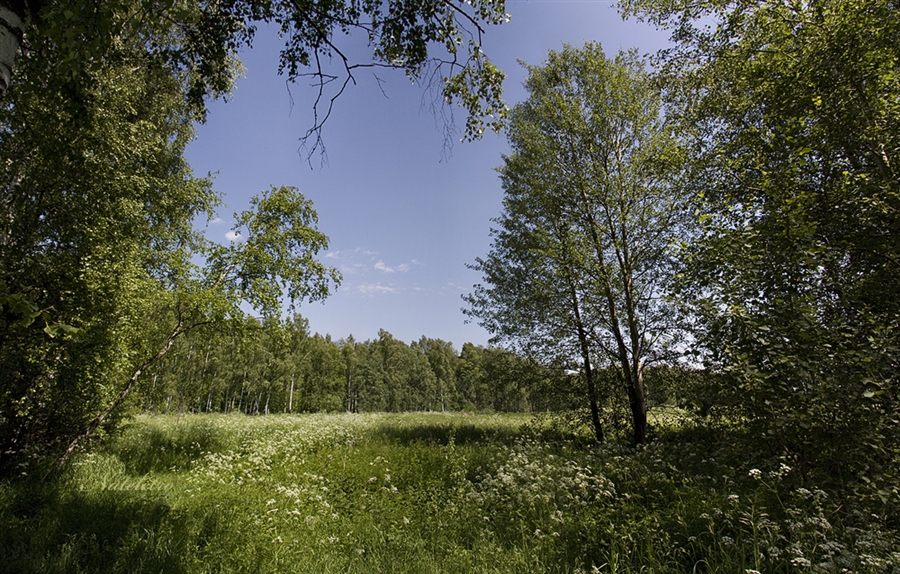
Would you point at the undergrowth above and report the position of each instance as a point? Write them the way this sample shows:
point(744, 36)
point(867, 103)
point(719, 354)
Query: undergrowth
point(423, 493)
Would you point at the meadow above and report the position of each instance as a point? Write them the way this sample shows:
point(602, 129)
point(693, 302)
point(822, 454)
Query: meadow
point(426, 493)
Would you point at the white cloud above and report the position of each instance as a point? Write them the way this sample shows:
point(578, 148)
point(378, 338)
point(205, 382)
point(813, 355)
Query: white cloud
point(382, 267)
point(375, 288)
point(232, 235)
point(359, 260)
point(345, 254)
point(454, 286)
point(216, 220)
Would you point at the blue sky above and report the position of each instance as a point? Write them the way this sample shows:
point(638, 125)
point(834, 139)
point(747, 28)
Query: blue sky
point(403, 220)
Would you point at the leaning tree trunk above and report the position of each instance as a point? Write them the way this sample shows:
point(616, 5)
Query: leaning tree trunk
point(584, 346)
point(98, 420)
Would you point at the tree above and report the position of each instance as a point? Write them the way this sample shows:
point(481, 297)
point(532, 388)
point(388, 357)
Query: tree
point(471, 381)
point(443, 359)
point(353, 355)
point(581, 260)
point(97, 203)
point(276, 261)
point(322, 384)
point(198, 40)
point(794, 110)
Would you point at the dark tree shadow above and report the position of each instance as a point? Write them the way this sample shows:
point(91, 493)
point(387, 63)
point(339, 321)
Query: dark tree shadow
point(444, 433)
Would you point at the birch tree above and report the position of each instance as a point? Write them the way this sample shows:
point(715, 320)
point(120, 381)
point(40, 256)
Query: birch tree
point(581, 259)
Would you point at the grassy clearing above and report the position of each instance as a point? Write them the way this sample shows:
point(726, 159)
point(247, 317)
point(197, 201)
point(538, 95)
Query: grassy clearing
point(423, 493)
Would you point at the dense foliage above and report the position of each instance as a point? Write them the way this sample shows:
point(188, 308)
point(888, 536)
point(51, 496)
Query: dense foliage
point(268, 367)
point(792, 108)
point(98, 202)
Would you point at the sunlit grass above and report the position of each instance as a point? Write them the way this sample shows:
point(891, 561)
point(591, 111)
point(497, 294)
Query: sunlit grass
point(421, 493)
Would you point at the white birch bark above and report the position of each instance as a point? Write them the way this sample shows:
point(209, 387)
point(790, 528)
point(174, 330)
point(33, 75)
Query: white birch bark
point(12, 30)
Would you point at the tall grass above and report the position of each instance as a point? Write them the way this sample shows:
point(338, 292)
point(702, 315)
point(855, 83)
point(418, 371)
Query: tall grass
point(423, 493)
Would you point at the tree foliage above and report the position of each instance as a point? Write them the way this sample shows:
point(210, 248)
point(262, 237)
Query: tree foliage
point(102, 268)
point(794, 110)
point(581, 257)
point(96, 194)
point(438, 43)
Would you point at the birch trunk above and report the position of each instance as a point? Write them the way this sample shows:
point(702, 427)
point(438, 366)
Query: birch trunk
point(14, 19)
point(291, 399)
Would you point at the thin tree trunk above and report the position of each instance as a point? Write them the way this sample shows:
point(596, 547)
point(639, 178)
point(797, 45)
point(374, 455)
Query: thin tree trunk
point(636, 397)
point(588, 371)
point(291, 399)
point(583, 345)
point(633, 378)
point(149, 401)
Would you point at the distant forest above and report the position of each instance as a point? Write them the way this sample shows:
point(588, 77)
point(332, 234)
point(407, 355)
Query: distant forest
point(267, 367)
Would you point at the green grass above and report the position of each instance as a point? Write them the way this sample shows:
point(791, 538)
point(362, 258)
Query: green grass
point(423, 493)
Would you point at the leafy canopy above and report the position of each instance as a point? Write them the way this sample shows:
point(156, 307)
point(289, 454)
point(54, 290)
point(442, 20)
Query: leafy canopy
point(795, 112)
point(580, 260)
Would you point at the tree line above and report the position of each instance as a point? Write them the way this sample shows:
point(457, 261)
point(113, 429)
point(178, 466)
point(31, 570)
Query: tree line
point(265, 367)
